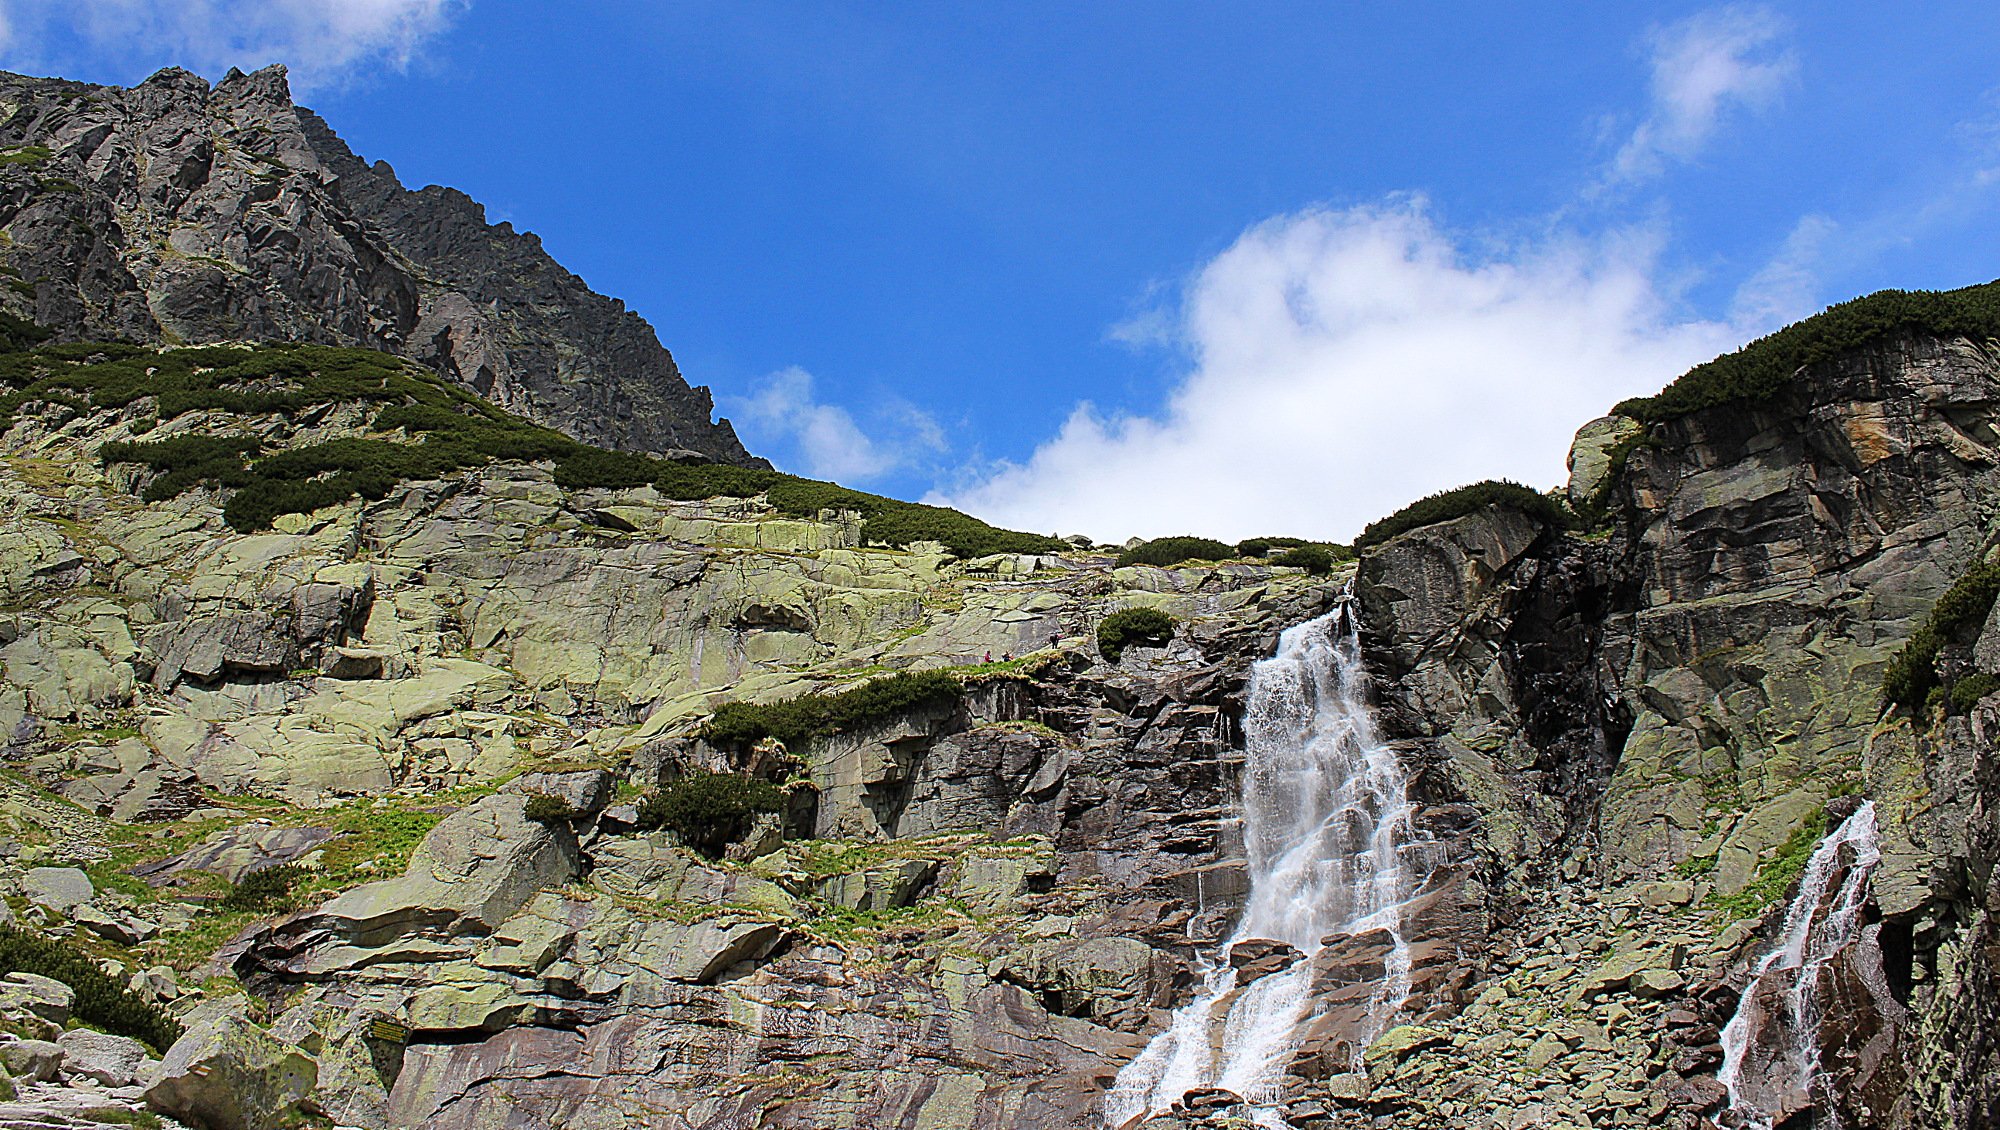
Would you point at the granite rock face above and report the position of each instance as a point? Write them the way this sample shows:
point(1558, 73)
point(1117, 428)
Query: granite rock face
point(432, 721)
point(1654, 711)
point(176, 211)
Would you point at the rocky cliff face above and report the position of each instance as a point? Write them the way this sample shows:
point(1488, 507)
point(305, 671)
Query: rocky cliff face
point(441, 710)
point(1648, 716)
point(966, 918)
point(176, 212)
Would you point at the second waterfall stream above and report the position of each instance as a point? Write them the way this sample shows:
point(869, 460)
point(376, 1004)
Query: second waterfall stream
point(1326, 821)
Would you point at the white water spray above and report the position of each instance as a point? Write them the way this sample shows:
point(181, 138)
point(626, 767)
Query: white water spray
point(1326, 816)
point(1821, 921)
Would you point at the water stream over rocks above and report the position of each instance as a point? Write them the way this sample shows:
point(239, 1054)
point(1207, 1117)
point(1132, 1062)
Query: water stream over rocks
point(1326, 817)
point(1771, 1063)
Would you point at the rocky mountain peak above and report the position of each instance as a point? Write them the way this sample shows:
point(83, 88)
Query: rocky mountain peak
point(179, 212)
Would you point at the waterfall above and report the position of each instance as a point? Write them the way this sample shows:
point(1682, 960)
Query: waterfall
point(1821, 921)
point(1326, 814)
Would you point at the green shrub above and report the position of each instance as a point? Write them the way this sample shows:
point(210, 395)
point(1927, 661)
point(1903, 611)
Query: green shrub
point(1911, 676)
point(709, 811)
point(547, 808)
point(1120, 630)
point(593, 467)
point(1315, 559)
point(17, 334)
point(1447, 505)
point(447, 429)
point(265, 890)
point(796, 721)
point(1172, 551)
point(101, 1000)
point(1769, 364)
point(1258, 547)
point(1966, 693)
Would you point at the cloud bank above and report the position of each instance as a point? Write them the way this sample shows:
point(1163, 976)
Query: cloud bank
point(323, 42)
point(1703, 67)
point(785, 418)
point(1348, 361)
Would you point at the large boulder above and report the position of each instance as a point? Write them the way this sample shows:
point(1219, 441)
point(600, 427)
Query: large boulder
point(205, 647)
point(36, 995)
point(235, 852)
point(229, 1074)
point(115, 1061)
point(587, 791)
point(475, 869)
point(469, 875)
point(1594, 456)
point(34, 1060)
point(703, 951)
point(58, 888)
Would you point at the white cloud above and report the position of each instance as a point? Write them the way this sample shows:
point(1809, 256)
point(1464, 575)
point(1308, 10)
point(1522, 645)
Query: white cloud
point(1703, 67)
point(1787, 288)
point(322, 42)
point(1349, 361)
point(785, 418)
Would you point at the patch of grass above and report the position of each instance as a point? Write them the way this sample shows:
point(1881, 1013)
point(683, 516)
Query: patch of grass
point(1768, 365)
point(1120, 630)
point(195, 946)
point(1444, 506)
point(1166, 552)
point(101, 1000)
point(796, 721)
point(120, 1116)
point(840, 924)
point(1695, 867)
point(1020, 667)
point(1778, 874)
point(1911, 676)
point(28, 155)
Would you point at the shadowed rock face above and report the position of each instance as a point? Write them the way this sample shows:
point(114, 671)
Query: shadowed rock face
point(1645, 715)
point(173, 211)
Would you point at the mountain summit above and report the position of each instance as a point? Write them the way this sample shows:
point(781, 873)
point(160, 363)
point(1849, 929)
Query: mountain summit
point(179, 212)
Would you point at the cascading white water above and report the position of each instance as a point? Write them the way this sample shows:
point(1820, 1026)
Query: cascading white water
point(1326, 815)
point(1821, 921)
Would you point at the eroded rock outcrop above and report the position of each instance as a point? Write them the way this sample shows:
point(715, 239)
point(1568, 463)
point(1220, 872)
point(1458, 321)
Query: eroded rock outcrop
point(179, 211)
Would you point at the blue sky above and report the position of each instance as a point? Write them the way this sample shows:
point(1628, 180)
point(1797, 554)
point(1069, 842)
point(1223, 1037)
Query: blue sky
point(1158, 267)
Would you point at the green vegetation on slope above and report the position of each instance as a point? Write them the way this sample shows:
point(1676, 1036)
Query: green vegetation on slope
point(1447, 505)
point(709, 811)
point(1120, 630)
point(101, 1000)
point(1775, 878)
point(266, 890)
point(1172, 551)
point(1315, 559)
point(1912, 677)
point(429, 428)
point(1765, 366)
point(796, 721)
